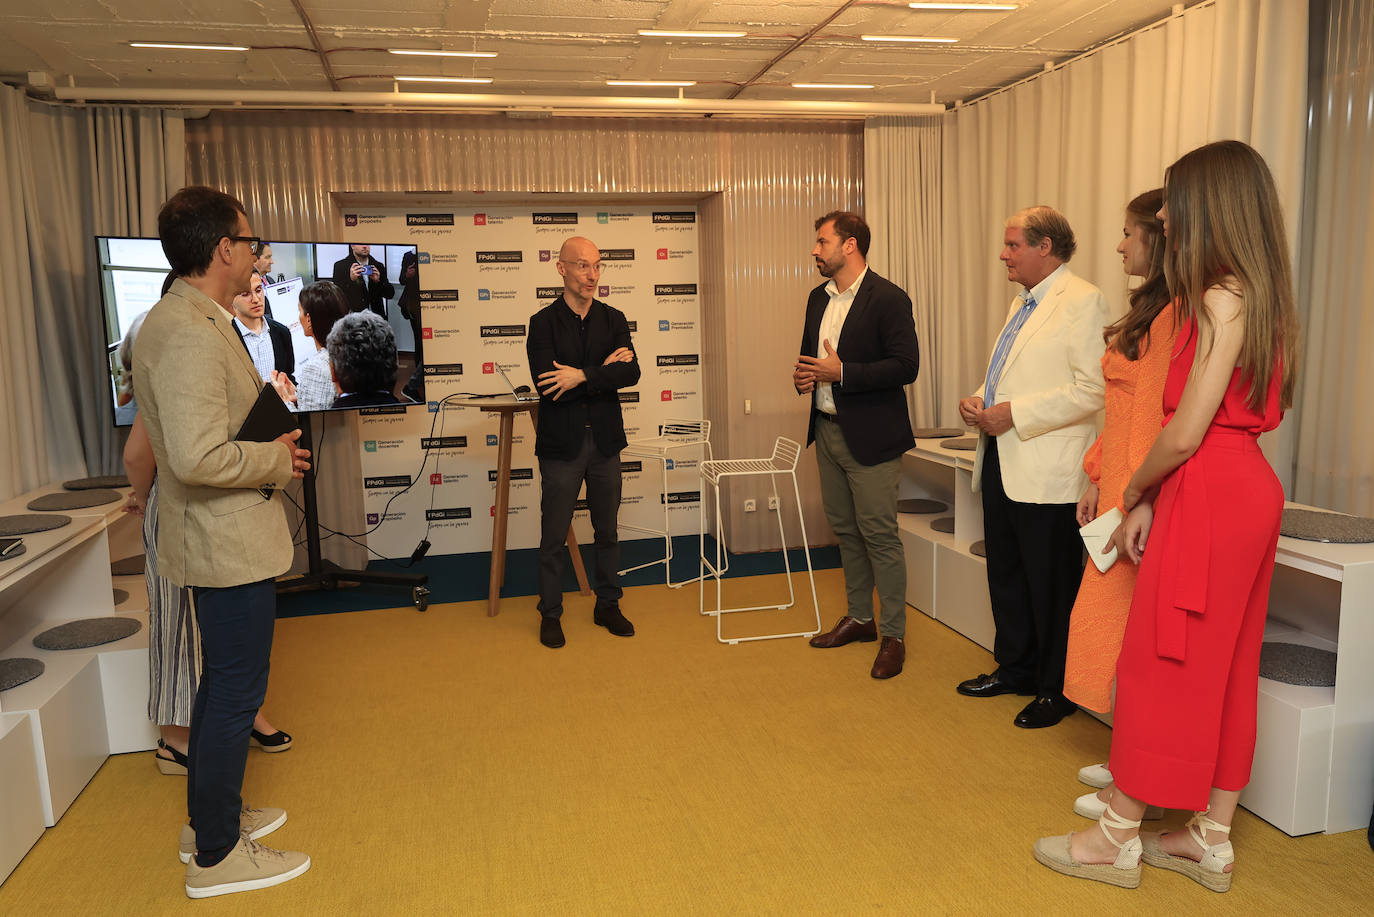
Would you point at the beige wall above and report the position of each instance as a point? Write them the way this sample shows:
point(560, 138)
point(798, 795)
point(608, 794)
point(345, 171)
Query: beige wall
point(760, 185)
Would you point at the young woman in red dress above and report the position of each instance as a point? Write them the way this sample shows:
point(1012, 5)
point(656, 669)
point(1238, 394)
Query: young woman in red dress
point(1209, 505)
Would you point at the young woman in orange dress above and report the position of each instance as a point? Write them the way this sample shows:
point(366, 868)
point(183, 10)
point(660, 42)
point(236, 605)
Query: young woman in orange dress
point(1134, 366)
point(1209, 505)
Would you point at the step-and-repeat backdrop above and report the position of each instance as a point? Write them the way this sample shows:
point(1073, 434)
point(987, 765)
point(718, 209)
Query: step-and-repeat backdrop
point(483, 273)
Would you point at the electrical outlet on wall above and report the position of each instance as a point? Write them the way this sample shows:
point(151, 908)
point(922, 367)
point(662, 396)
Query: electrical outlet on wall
point(773, 504)
point(751, 505)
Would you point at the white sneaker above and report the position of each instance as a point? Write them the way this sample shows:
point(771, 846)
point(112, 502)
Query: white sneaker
point(253, 824)
point(248, 866)
point(1089, 806)
point(1095, 775)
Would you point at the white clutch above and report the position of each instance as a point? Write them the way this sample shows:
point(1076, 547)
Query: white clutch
point(1096, 535)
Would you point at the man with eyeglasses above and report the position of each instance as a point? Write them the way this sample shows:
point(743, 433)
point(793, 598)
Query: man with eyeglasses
point(195, 383)
point(580, 354)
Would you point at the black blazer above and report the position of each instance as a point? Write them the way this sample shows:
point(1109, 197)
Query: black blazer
point(880, 355)
point(555, 333)
point(282, 349)
point(362, 296)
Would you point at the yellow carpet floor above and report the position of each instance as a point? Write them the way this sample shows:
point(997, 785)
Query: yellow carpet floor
point(446, 763)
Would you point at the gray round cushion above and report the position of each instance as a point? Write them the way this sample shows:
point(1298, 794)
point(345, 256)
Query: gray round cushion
point(960, 445)
point(1336, 528)
point(936, 432)
point(980, 548)
point(921, 506)
point(20, 549)
point(128, 566)
point(75, 635)
point(1294, 664)
point(121, 596)
point(97, 482)
point(28, 524)
point(14, 672)
point(943, 524)
point(75, 499)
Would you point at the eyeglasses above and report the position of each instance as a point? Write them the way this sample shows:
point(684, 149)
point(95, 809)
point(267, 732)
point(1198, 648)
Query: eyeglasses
point(254, 243)
point(585, 266)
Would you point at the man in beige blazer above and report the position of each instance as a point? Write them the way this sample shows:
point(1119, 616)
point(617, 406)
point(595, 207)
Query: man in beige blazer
point(217, 533)
point(1036, 413)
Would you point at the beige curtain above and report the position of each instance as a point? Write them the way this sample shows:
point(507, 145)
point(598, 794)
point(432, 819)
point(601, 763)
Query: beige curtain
point(1335, 451)
point(67, 174)
point(902, 202)
point(1089, 136)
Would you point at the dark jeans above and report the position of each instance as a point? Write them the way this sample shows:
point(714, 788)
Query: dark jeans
point(1035, 563)
point(560, 482)
point(236, 646)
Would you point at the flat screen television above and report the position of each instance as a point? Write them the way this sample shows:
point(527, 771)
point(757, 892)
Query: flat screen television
point(132, 271)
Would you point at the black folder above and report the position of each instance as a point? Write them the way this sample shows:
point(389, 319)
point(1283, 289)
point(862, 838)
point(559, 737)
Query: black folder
point(269, 418)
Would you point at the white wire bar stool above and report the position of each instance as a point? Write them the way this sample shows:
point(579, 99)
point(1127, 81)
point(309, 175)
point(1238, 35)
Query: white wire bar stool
point(783, 461)
point(674, 435)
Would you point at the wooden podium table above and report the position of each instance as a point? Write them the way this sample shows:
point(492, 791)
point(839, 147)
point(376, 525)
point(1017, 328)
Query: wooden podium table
point(508, 407)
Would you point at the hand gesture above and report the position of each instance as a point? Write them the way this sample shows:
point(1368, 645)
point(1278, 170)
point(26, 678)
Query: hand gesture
point(996, 420)
point(299, 457)
point(619, 355)
point(823, 369)
point(355, 271)
point(803, 379)
point(1087, 506)
point(284, 386)
point(969, 409)
point(560, 379)
point(1131, 535)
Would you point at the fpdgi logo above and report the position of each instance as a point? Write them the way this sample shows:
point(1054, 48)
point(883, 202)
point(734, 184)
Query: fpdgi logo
point(545, 254)
point(664, 325)
point(373, 518)
point(350, 219)
point(369, 445)
point(483, 295)
point(436, 478)
point(426, 334)
point(603, 291)
point(663, 254)
point(493, 440)
point(666, 395)
point(479, 219)
point(488, 369)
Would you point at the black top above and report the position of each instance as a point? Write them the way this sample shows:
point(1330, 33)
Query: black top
point(557, 334)
point(879, 354)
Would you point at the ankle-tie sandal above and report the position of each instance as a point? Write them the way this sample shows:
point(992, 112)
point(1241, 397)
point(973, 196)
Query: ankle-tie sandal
point(174, 766)
point(1124, 872)
point(1210, 871)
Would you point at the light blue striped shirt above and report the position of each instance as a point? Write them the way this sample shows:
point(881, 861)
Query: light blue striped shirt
point(259, 347)
point(1008, 336)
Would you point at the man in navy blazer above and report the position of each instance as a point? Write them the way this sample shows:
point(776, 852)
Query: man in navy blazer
point(858, 350)
point(580, 354)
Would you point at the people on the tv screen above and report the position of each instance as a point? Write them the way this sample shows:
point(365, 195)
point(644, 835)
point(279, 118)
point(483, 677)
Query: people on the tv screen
point(409, 304)
point(363, 280)
point(321, 305)
point(268, 342)
point(362, 356)
point(126, 406)
point(263, 265)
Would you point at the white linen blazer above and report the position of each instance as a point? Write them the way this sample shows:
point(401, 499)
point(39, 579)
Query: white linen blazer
point(1053, 379)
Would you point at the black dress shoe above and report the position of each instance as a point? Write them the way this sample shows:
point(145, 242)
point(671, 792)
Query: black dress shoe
point(608, 616)
point(991, 686)
point(551, 633)
point(1044, 711)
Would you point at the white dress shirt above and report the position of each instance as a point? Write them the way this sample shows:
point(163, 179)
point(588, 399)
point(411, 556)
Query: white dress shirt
point(832, 322)
point(259, 347)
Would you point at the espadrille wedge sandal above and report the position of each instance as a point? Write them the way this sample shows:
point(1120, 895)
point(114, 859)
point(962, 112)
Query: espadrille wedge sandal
point(1054, 852)
point(1209, 872)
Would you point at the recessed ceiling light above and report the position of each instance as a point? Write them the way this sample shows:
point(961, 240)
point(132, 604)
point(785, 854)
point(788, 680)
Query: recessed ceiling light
point(417, 53)
point(688, 33)
point(832, 86)
point(442, 79)
point(179, 46)
point(994, 7)
point(651, 82)
point(914, 39)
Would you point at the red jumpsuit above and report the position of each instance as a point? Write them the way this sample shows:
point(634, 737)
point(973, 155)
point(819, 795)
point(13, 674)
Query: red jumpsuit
point(1188, 673)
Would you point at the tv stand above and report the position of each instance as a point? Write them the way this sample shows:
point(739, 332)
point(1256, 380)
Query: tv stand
point(325, 574)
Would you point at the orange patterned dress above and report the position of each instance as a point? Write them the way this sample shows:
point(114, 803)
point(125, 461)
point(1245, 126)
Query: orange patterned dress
point(1135, 415)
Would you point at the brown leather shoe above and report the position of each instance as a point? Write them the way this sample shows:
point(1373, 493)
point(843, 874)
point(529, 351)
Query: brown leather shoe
point(846, 631)
point(891, 655)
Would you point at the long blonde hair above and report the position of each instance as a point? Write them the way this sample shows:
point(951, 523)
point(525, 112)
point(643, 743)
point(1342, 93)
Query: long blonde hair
point(1226, 230)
